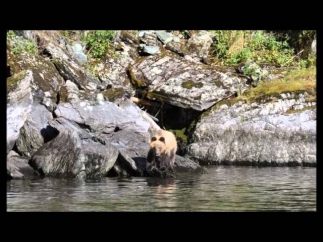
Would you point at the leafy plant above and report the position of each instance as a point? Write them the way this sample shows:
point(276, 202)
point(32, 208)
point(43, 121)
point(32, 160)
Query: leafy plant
point(98, 42)
point(19, 45)
point(260, 46)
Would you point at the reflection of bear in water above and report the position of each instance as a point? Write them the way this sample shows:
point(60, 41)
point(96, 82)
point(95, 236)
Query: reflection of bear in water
point(163, 147)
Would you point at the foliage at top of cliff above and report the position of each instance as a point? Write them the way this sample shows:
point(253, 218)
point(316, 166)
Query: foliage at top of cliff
point(278, 48)
point(98, 42)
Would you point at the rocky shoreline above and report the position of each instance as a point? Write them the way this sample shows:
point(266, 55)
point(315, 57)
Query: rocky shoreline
point(63, 121)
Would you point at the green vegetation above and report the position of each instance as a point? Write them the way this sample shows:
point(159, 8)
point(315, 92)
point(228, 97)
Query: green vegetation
point(180, 135)
point(189, 84)
point(264, 47)
point(98, 42)
point(19, 45)
point(113, 93)
point(296, 81)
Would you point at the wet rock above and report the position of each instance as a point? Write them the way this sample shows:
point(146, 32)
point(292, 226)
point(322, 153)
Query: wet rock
point(256, 134)
point(184, 84)
point(18, 167)
point(74, 153)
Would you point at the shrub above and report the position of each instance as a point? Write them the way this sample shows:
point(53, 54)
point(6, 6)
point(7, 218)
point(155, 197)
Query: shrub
point(98, 42)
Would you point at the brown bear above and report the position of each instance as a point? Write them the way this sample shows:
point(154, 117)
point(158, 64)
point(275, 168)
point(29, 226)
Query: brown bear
point(163, 147)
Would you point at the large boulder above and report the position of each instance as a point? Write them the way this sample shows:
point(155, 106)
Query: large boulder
point(257, 134)
point(199, 44)
point(18, 167)
point(74, 153)
point(27, 117)
point(184, 83)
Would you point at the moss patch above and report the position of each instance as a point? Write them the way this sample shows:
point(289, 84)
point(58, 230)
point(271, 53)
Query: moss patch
point(12, 82)
point(219, 84)
point(190, 84)
point(291, 111)
point(136, 81)
point(113, 93)
point(298, 81)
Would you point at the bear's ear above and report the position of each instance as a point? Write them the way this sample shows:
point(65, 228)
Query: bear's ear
point(162, 139)
point(153, 139)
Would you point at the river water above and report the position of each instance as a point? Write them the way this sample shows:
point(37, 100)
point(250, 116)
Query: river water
point(222, 188)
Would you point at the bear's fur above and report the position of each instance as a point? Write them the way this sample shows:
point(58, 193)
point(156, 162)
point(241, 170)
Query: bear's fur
point(163, 147)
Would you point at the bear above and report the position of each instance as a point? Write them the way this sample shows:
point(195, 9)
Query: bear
point(162, 152)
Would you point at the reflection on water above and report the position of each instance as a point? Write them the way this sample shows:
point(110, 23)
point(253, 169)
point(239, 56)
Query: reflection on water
point(221, 189)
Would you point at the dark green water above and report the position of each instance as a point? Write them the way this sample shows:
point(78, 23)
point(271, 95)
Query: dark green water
point(221, 189)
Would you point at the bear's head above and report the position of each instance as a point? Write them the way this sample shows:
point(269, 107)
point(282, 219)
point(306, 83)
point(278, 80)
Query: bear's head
point(158, 145)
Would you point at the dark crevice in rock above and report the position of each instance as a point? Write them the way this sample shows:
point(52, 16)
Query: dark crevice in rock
point(116, 129)
point(112, 172)
point(8, 72)
point(58, 97)
point(84, 126)
point(46, 53)
point(49, 133)
point(178, 120)
point(15, 148)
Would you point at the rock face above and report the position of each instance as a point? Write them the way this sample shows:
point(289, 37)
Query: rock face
point(261, 134)
point(63, 121)
point(18, 168)
point(74, 153)
point(184, 83)
point(27, 119)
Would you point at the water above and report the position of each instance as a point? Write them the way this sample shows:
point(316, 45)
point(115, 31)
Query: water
point(221, 189)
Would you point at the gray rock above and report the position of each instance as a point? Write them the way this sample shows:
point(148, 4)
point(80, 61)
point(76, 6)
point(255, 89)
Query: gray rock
point(163, 36)
point(148, 37)
point(78, 52)
point(256, 73)
point(113, 72)
point(18, 167)
point(262, 134)
point(145, 49)
point(177, 47)
point(313, 47)
point(35, 130)
point(183, 83)
point(105, 117)
point(27, 120)
point(74, 152)
point(32, 74)
point(27, 34)
point(199, 44)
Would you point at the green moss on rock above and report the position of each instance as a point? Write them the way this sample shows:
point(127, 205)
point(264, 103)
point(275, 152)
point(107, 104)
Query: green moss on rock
point(12, 82)
point(190, 84)
point(113, 93)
